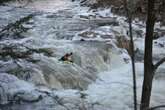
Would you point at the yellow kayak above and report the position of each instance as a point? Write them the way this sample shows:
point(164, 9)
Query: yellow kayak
point(68, 62)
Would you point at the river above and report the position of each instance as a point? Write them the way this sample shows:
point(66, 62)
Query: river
point(45, 30)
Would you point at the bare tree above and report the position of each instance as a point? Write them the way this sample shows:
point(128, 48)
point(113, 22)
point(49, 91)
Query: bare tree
point(129, 16)
point(149, 66)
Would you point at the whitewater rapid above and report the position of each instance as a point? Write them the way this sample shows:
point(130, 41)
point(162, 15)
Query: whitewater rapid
point(101, 68)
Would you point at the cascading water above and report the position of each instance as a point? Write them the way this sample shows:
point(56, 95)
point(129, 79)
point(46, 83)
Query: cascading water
point(100, 76)
point(51, 35)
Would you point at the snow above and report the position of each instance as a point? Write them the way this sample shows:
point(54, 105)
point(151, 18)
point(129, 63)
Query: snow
point(113, 86)
point(12, 86)
point(158, 47)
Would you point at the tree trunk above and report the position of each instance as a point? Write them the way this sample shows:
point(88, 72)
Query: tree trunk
point(148, 63)
point(163, 11)
point(131, 47)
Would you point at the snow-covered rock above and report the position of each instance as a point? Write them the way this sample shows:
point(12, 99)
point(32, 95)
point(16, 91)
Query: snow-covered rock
point(100, 66)
point(17, 94)
point(14, 89)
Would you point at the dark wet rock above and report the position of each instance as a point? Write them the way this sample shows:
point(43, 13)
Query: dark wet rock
point(17, 51)
point(88, 34)
point(105, 21)
point(159, 33)
point(12, 20)
point(11, 15)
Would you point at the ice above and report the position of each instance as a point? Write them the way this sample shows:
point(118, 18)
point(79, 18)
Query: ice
point(100, 67)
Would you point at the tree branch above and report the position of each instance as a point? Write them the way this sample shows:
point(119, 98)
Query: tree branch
point(156, 107)
point(159, 63)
